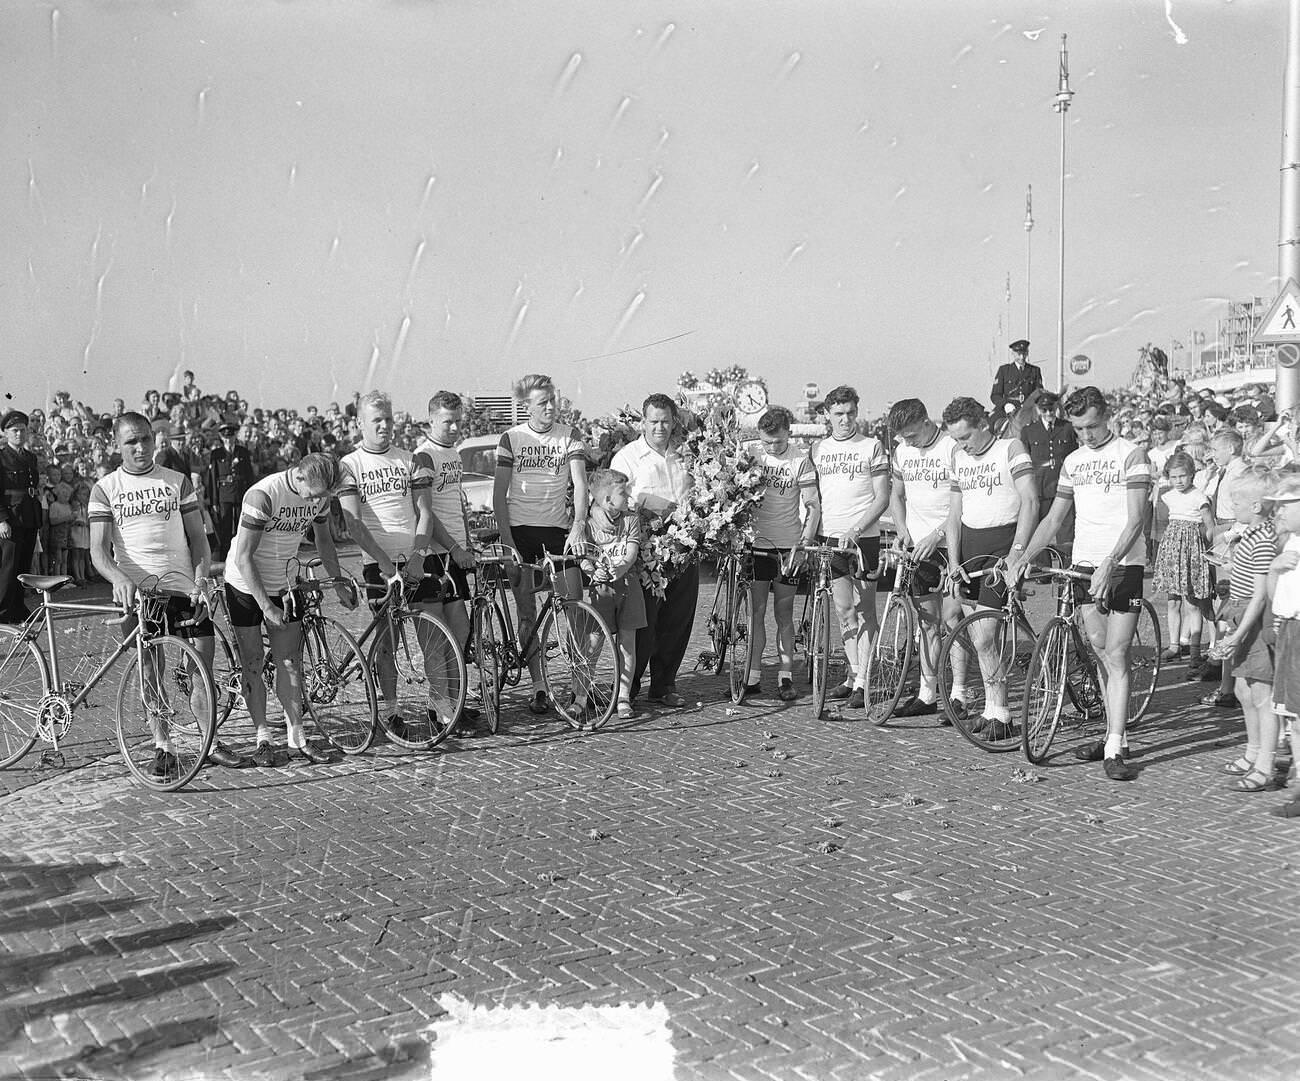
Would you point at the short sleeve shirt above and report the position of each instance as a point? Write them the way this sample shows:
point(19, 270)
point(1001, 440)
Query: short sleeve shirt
point(615, 537)
point(442, 468)
point(385, 484)
point(1252, 555)
point(146, 512)
point(987, 483)
point(282, 515)
point(1185, 506)
point(539, 464)
point(926, 476)
point(1099, 480)
point(787, 478)
point(1286, 598)
point(846, 472)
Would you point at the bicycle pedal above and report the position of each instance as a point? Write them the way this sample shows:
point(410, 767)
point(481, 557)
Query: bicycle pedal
point(51, 759)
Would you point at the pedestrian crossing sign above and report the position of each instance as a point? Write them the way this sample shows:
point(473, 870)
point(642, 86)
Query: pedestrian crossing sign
point(1281, 323)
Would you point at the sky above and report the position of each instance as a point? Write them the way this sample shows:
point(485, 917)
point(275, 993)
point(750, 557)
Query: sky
point(302, 199)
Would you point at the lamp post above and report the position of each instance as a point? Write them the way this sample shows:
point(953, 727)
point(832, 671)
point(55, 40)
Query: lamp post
point(1062, 106)
point(1029, 228)
point(1288, 250)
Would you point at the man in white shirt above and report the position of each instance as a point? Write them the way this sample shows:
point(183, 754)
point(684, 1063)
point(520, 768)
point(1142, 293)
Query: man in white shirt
point(1108, 479)
point(660, 481)
point(853, 479)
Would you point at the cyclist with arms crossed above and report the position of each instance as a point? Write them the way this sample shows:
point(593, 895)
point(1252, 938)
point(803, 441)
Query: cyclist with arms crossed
point(1108, 481)
point(853, 477)
point(273, 520)
point(993, 512)
point(537, 463)
point(145, 523)
point(920, 497)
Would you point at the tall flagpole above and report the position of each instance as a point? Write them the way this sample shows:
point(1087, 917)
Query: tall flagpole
point(1288, 247)
point(1029, 228)
point(1062, 106)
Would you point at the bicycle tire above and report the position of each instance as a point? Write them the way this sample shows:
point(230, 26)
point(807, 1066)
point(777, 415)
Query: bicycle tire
point(24, 681)
point(1045, 690)
point(819, 650)
point(738, 642)
point(580, 664)
point(717, 621)
point(166, 683)
point(891, 660)
point(1144, 663)
point(337, 688)
point(428, 679)
point(1005, 635)
point(803, 632)
point(227, 675)
point(487, 660)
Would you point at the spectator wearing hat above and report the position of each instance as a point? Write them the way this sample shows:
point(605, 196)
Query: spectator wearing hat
point(230, 475)
point(20, 514)
point(1048, 439)
point(1015, 381)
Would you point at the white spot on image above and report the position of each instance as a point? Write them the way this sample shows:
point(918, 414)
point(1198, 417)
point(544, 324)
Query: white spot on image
point(650, 192)
point(622, 109)
point(753, 168)
point(795, 252)
point(791, 62)
point(900, 193)
point(1179, 37)
point(203, 103)
point(1033, 35)
point(415, 264)
point(400, 344)
point(557, 156)
point(518, 323)
point(629, 312)
point(566, 76)
point(428, 190)
point(963, 52)
point(663, 37)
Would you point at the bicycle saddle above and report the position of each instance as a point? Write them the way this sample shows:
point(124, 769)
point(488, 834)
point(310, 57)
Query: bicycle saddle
point(44, 583)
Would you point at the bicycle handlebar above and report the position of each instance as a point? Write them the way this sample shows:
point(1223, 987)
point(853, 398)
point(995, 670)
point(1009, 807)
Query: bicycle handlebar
point(824, 551)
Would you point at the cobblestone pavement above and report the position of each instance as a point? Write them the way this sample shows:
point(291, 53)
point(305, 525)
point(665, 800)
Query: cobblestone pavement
point(806, 899)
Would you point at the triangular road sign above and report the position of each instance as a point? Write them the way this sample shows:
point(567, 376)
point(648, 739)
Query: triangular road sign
point(1281, 323)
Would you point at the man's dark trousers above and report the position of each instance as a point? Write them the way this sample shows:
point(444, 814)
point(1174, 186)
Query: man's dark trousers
point(662, 642)
point(15, 559)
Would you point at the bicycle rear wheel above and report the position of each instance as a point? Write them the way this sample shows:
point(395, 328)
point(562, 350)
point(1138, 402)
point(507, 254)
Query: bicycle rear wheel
point(1045, 690)
point(819, 649)
point(487, 659)
point(716, 656)
point(166, 713)
point(804, 634)
point(1144, 663)
point(966, 675)
point(891, 662)
point(419, 671)
point(24, 681)
point(337, 688)
point(580, 664)
point(226, 675)
point(738, 642)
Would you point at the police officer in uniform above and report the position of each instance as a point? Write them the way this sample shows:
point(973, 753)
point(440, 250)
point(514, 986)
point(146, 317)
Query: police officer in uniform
point(1015, 382)
point(20, 514)
point(230, 475)
point(1048, 439)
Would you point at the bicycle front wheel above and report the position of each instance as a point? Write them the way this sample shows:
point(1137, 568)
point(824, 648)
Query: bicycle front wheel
point(1045, 690)
point(890, 663)
point(337, 689)
point(717, 623)
point(487, 659)
point(166, 713)
point(580, 664)
point(226, 675)
point(739, 642)
point(1144, 663)
point(819, 649)
point(24, 681)
point(979, 669)
point(419, 669)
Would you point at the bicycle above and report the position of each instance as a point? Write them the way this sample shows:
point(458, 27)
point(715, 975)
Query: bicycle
point(166, 701)
point(338, 691)
point(728, 622)
point(896, 663)
point(580, 661)
point(1009, 637)
point(1065, 666)
point(814, 628)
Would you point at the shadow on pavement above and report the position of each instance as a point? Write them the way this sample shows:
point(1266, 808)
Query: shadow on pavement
point(409, 1057)
point(122, 1058)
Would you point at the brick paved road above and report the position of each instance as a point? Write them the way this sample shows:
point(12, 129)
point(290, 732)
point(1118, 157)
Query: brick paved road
point(806, 898)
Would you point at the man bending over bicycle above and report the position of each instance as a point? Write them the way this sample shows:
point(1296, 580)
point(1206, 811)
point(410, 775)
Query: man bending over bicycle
point(993, 511)
point(145, 523)
point(1108, 481)
point(789, 479)
point(273, 519)
point(385, 499)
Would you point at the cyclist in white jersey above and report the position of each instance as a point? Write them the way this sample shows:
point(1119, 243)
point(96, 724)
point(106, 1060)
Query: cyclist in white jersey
point(386, 505)
point(993, 513)
point(920, 497)
point(1108, 480)
point(145, 523)
point(853, 480)
point(537, 464)
point(274, 518)
point(789, 481)
point(446, 541)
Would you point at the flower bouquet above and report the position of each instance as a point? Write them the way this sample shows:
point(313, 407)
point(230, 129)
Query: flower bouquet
point(716, 515)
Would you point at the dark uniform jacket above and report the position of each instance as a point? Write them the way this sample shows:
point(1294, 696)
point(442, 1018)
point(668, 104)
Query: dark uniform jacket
point(1047, 448)
point(1015, 385)
point(230, 474)
point(19, 488)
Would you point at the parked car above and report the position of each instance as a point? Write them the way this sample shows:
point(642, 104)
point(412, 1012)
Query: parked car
point(478, 456)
